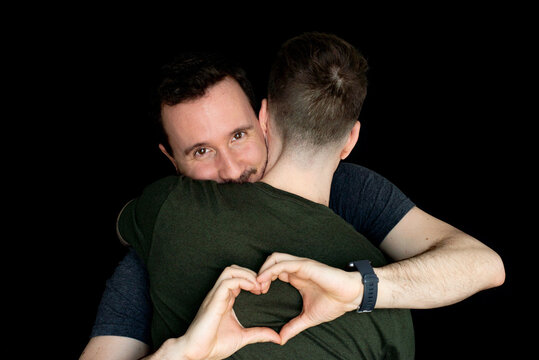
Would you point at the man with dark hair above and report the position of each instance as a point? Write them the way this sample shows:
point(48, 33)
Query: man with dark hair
point(180, 86)
point(178, 225)
point(211, 138)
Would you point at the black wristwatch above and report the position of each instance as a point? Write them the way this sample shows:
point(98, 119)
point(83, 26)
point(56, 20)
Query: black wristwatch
point(370, 284)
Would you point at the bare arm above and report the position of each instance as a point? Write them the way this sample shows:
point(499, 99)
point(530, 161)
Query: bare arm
point(114, 348)
point(123, 317)
point(448, 268)
point(436, 264)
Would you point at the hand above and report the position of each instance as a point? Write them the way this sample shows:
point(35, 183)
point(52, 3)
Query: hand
point(215, 333)
point(327, 292)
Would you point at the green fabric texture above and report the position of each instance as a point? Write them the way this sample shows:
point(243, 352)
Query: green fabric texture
point(188, 231)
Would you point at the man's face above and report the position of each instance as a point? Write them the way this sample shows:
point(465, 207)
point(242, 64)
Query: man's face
point(217, 137)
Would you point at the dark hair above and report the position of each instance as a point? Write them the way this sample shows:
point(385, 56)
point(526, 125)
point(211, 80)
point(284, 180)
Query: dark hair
point(190, 75)
point(316, 89)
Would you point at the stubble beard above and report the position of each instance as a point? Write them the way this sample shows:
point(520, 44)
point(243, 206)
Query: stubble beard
point(246, 175)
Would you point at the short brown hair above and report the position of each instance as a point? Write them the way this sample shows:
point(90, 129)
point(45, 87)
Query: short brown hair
point(316, 89)
point(189, 76)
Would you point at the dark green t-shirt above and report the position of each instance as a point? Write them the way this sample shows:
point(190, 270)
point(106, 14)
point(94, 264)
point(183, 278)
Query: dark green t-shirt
point(188, 231)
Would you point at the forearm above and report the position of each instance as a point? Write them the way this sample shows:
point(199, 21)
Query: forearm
point(455, 268)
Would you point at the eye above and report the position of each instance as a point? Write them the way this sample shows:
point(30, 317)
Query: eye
point(201, 152)
point(239, 135)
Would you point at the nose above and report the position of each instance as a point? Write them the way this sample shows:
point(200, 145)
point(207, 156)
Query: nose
point(230, 168)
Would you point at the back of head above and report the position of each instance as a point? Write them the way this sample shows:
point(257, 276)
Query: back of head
point(316, 89)
point(189, 76)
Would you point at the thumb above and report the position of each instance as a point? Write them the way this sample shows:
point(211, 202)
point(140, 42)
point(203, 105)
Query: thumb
point(260, 334)
point(294, 327)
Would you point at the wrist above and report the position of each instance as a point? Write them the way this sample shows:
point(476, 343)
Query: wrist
point(386, 289)
point(356, 279)
point(173, 348)
point(369, 280)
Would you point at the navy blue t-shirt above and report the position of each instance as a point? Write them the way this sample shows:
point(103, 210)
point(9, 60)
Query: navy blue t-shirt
point(365, 199)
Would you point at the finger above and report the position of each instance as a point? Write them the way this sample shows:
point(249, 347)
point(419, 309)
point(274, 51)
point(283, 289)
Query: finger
point(243, 269)
point(218, 302)
point(276, 258)
point(272, 272)
point(224, 293)
point(294, 327)
point(265, 286)
point(229, 286)
point(235, 271)
point(273, 259)
point(260, 334)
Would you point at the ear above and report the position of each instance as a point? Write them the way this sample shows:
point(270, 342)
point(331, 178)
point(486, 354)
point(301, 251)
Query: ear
point(352, 140)
point(263, 117)
point(170, 157)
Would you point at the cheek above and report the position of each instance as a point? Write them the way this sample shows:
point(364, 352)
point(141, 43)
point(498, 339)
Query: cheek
point(255, 154)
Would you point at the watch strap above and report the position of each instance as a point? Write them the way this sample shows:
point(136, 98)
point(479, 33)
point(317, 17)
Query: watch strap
point(370, 285)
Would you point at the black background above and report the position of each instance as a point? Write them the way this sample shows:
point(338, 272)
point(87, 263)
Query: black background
point(439, 121)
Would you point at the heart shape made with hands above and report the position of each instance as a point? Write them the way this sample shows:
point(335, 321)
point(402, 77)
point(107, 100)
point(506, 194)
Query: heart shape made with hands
point(278, 306)
point(318, 293)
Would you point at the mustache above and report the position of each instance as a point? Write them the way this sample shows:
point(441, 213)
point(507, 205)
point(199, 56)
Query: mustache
point(244, 177)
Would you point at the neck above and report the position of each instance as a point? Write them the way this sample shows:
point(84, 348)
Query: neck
point(308, 179)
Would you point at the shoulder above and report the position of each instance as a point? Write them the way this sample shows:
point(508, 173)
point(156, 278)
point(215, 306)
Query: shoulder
point(356, 179)
point(162, 186)
point(367, 200)
point(349, 169)
point(140, 213)
point(153, 196)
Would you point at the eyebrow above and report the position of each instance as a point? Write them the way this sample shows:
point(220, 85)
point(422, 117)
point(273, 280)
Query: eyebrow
point(205, 144)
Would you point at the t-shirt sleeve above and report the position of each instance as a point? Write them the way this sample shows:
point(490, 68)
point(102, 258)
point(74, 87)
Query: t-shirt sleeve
point(125, 308)
point(137, 219)
point(368, 201)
